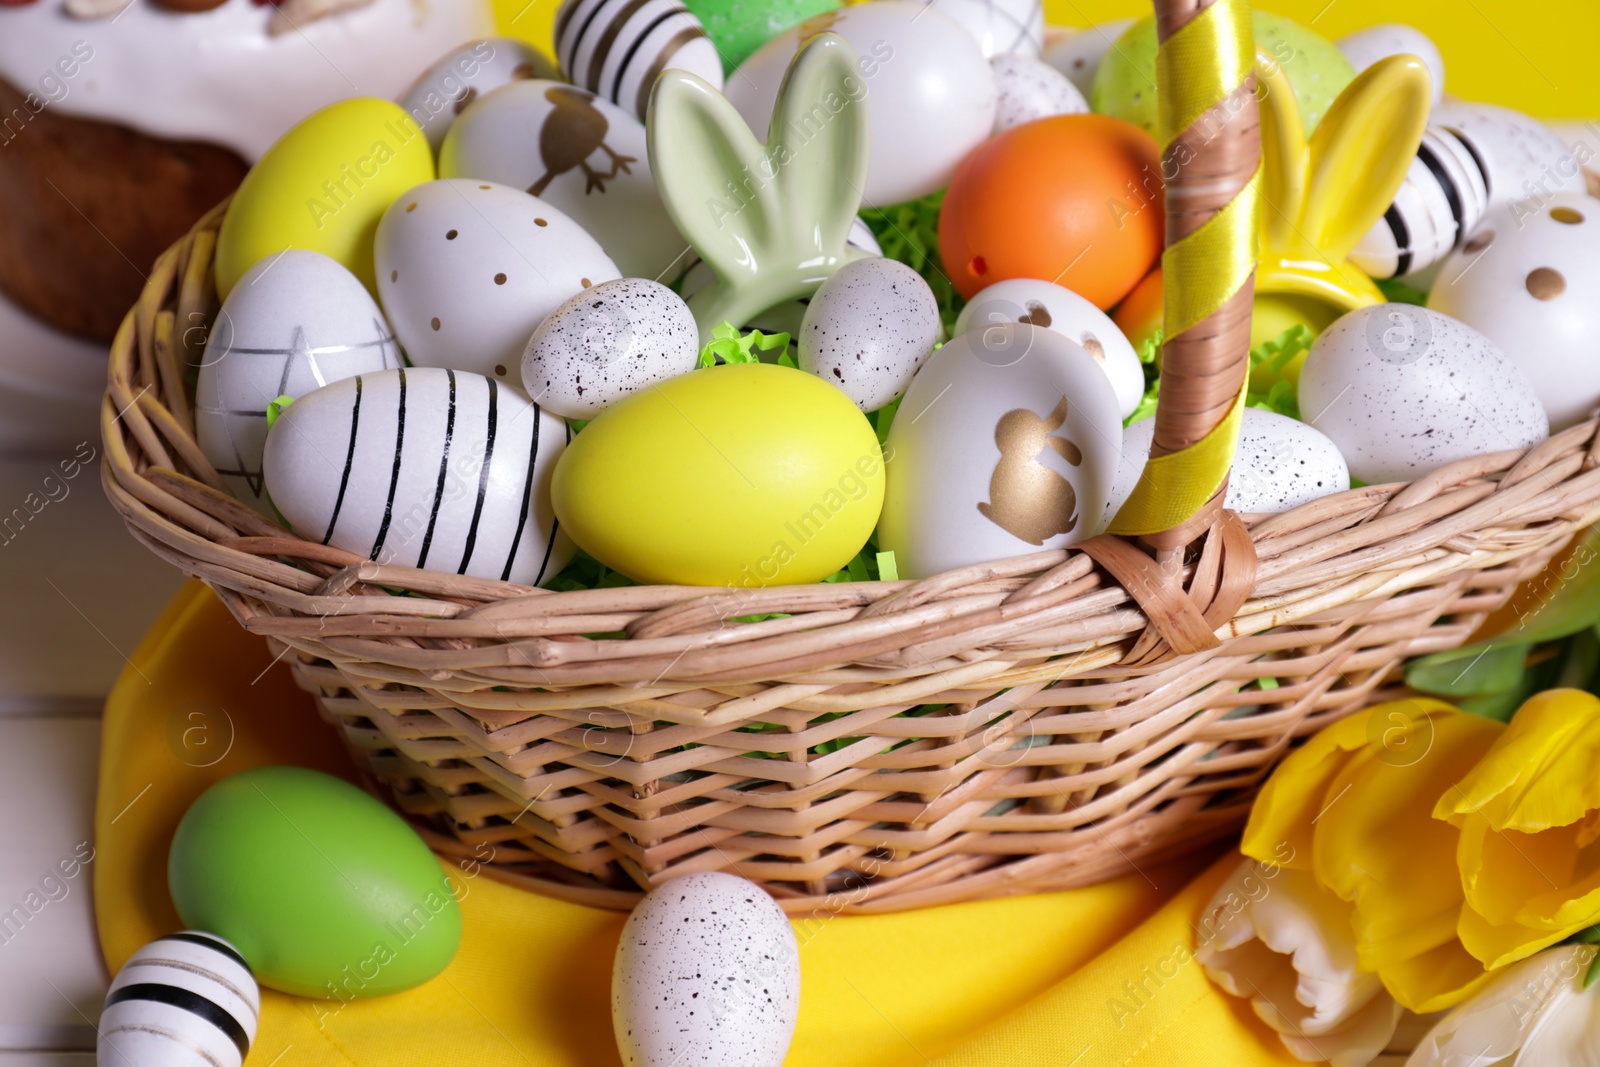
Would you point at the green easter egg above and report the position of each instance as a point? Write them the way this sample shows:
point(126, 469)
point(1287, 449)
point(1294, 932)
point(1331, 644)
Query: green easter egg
point(738, 27)
point(323, 186)
point(1125, 84)
point(323, 890)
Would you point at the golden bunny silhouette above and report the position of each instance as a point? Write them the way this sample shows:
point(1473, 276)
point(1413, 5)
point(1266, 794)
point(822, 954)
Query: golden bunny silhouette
point(1030, 500)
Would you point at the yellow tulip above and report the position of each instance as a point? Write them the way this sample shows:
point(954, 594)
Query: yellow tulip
point(1353, 808)
point(1529, 819)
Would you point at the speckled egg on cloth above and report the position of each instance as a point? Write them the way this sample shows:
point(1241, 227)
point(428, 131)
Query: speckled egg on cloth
point(1031, 89)
point(1403, 390)
point(707, 974)
point(607, 343)
point(467, 270)
point(868, 328)
point(1529, 278)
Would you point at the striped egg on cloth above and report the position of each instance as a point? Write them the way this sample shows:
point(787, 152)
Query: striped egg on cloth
point(618, 48)
point(184, 1000)
point(423, 467)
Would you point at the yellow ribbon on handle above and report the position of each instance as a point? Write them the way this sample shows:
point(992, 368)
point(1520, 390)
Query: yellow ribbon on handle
point(1199, 67)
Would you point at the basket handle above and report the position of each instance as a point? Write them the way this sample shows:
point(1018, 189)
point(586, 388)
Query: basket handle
point(1211, 163)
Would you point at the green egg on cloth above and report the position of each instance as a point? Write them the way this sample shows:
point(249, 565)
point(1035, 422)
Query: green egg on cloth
point(1125, 84)
point(323, 890)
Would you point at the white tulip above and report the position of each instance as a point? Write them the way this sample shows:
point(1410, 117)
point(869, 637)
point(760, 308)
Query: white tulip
point(1533, 1014)
point(1273, 935)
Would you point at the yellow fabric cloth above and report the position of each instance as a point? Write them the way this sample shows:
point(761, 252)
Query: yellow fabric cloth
point(1085, 978)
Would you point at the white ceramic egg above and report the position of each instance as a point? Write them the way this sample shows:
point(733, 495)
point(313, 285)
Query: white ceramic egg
point(1280, 464)
point(1006, 443)
point(1442, 199)
point(468, 269)
point(1001, 27)
point(1403, 390)
point(1524, 161)
point(1077, 53)
point(606, 343)
point(929, 90)
point(617, 48)
point(1057, 308)
point(464, 74)
point(184, 1000)
point(423, 467)
point(707, 973)
point(1366, 47)
point(584, 155)
point(294, 323)
point(868, 328)
point(1530, 281)
point(1031, 89)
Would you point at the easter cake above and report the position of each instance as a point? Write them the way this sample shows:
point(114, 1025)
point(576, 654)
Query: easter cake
point(121, 122)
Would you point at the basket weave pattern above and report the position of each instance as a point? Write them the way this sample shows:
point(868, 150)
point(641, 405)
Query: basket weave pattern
point(778, 749)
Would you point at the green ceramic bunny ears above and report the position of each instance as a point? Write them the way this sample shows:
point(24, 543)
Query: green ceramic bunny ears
point(769, 220)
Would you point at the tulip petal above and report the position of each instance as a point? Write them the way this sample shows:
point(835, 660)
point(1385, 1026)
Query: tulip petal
point(1500, 944)
point(1378, 846)
point(1494, 1024)
point(1567, 1031)
point(1540, 773)
point(1437, 979)
point(1356, 1044)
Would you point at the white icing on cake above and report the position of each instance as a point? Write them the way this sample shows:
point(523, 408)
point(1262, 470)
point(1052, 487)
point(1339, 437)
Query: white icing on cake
point(218, 76)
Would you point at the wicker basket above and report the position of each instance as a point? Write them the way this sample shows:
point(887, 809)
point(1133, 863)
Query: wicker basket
point(1073, 712)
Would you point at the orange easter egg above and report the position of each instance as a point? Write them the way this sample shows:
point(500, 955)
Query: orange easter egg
point(1140, 314)
point(1072, 199)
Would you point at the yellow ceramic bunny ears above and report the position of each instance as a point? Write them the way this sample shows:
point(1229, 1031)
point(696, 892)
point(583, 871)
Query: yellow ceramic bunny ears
point(1323, 194)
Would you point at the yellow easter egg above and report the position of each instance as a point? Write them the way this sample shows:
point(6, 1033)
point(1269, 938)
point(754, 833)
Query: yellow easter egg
point(745, 475)
point(323, 186)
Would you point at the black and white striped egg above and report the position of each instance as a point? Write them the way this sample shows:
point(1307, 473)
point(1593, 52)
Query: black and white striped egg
point(425, 467)
point(468, 269)
point(576, 151)
point(607, 343)
point(1442, 199)
point(294, 323)
point(1522, 158)
point(1031, 89)
point(867, 330)
point(462, 75)
point(618, 48)
point(184, 1000)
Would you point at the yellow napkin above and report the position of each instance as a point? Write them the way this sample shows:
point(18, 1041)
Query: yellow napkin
point(1080, 978)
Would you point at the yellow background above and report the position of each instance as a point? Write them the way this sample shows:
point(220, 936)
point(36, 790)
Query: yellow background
point(1537, 56)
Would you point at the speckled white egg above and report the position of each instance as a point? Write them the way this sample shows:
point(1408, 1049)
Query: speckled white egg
point(1006, 443)
point(1031, 89)
point(1403, 390)
point(928, 86)
point(464, 74)
point(1523, 159)
point(294, 323)
point(606, 343)
point(423, 467)
point(868, 328)
point(1529, 279)
point(707, 973)
point(1077, 53)
point(1280, 464)
point(184, 1000)
point(582, 154)
point(1001, 27)
point(468, 269)
point(1057, 308)
point(1366, 47)
point(618, 48)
